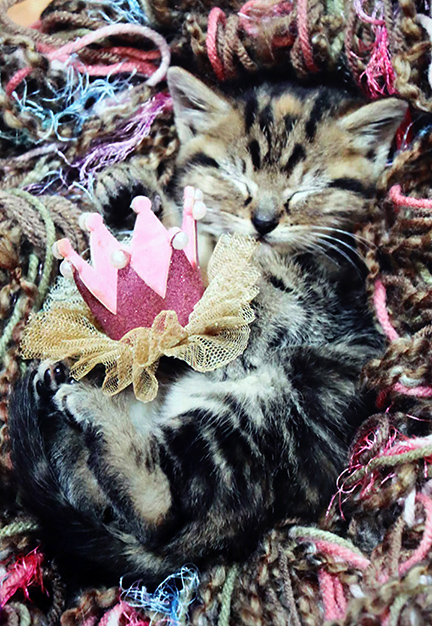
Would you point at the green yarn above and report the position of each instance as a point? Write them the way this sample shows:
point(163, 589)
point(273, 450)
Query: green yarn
point(323, 535)
point(17, 528)
point(227, 593)
point(17, 314)
point(44, 282)
point(396, 608)
point(336, 7)
point(390, 460)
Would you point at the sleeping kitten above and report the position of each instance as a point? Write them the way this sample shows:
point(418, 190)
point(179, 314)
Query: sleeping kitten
point(123, 488)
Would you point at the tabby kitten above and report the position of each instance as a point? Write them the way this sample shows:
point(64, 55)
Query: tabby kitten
point(218, 458)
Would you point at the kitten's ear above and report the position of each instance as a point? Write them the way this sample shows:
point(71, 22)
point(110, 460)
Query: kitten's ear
point(196, 107)
point(374, 126)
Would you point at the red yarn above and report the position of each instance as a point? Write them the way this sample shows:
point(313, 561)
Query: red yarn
point(137, 63)
point(216, 17)
point(404, 135)
point(26, 571)
point(305, 44)
point(16, 79)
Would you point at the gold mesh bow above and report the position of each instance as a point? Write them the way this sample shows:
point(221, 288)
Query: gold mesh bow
point(217, 331)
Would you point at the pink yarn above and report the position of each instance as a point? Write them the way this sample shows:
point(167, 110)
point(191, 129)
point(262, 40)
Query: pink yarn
point(216, 17)
point(122, 610)
point(341, 552)
point(303, 32)
point(112, 617)
point(379, 72)
point(91, 621)
point(384, 320)
point(16, 79)
point(381, 311)
point(399, 199)
point(418, 392)
point(367, 19)
point(25, 572)
point(333, 596)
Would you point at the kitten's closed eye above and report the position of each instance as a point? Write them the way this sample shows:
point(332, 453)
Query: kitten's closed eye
point(325, 146)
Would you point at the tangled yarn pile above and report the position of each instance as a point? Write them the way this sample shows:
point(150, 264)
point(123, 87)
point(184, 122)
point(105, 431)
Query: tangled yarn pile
point(86, 124)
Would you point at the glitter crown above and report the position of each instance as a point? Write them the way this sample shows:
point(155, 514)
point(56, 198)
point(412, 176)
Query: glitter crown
point(127, 285)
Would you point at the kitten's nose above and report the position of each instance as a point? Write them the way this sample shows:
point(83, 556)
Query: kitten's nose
point(264, 223)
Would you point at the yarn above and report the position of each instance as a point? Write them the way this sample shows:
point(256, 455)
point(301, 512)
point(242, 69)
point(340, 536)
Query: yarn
point(25, 572)
point(227, 593)
point(65, 54)
point(168, 599)
point(111, 12)
point(79, 141)
point(128, 136)
point(303, 33)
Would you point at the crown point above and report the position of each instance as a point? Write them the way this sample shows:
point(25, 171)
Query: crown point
point(93, 221)
point(180, 241)
point(66, 269)
point(119, 259)
point(199, 210)
point(140, 203)
point(189, 195)
point(198, 195)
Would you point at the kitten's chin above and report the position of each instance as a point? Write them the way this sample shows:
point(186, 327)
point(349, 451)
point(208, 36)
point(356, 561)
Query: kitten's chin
point(283, 248)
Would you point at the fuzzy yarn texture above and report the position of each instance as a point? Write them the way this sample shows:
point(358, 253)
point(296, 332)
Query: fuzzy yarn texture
point(85, 119)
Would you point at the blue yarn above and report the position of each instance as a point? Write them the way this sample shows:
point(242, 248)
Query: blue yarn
point(80, 99)
point(168, 599)
point(128, 11)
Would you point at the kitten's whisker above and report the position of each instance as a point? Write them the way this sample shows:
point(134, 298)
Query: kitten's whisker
point(354, 236)
point(342, 254)
point(346, 245)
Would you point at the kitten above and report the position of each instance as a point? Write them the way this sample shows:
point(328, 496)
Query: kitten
point(200, 473)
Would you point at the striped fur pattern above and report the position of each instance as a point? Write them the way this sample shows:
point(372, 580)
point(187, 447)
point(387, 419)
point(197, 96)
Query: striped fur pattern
point(199, 474)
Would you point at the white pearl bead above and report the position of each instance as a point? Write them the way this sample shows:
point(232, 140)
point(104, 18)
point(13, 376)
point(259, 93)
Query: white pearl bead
point(66, 269)
point(199, 210)
point(198, 195)
point(56, 251)
point(119, 259)
point(180, 241)
point(82, 220)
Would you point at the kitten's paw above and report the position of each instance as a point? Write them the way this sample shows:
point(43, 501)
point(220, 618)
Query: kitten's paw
point(48, 379)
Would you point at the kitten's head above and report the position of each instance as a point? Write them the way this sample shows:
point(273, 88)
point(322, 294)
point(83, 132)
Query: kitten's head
point(288, 165)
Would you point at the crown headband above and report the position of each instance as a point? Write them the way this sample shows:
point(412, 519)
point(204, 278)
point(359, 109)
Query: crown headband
point(146, 299)
point(159, 268)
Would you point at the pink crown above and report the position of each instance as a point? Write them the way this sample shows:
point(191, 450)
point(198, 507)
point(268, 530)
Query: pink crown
point(126, 286)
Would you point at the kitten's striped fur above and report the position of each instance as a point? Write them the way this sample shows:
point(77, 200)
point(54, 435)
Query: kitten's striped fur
point(201, 472)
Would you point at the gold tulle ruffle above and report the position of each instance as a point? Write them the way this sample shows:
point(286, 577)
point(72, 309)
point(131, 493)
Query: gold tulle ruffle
point(217, 331)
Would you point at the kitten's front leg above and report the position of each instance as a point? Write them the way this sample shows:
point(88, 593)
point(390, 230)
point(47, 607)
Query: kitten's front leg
point(121, 457)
